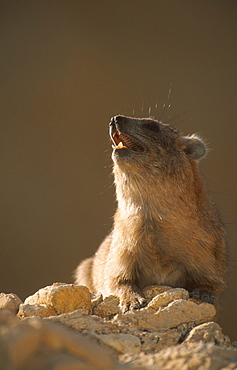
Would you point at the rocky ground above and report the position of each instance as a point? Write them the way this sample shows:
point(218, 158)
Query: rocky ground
point(65, 327)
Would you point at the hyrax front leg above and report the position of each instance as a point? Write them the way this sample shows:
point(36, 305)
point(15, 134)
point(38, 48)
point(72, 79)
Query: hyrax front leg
point(131, 297)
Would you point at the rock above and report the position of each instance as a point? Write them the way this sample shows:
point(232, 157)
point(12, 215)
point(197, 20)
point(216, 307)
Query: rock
point(163, 299)
point(122, 343)
point(182, 311)
point(208, 332)
point(10, 302)
point(96, 299)
point(195, 356)
point(172, 332)
point(176, 313)
point(153, 290)
point(26, 310)
point(36, 344)
point(108, 307)
point(62, 297)
point(154, 342)
point(79, 320)
point(7, 318)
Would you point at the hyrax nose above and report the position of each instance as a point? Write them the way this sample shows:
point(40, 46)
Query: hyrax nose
point(116, 119)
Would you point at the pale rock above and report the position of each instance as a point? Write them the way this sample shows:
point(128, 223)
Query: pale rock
point(183, 311)
point(121, 343)
point(36, 344)
point(79, 320)
point(10, 302)
point(176, 313)
point(208, 332)
point(163, 299)
point(142, 339)
point(62, 297)
point(152, 290)
point(26, 310)
point(155, 341)
point(7, 318)
point(96, 298)
point(108, 307)
point(128, 322)
point(195, 356)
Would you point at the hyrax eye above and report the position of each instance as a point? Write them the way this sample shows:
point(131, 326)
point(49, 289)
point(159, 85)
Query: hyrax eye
point(152, 126)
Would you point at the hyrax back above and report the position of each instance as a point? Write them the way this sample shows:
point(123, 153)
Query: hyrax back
point(166, 230)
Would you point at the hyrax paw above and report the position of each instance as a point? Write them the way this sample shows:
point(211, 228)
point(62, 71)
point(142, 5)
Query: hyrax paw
point(134, 302)
point(204, 296)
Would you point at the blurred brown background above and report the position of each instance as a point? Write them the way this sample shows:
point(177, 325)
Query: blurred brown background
point(66, 68)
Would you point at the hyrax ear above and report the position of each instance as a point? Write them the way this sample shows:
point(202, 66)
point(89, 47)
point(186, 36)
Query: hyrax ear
point(193, 147)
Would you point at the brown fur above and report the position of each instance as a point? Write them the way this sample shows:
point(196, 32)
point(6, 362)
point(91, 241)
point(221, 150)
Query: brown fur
point(166, 230)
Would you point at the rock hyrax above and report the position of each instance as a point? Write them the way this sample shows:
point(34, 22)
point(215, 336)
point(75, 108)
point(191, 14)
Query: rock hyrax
point(166, 229)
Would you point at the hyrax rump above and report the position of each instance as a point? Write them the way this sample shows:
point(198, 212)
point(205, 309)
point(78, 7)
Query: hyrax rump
point(166, 230)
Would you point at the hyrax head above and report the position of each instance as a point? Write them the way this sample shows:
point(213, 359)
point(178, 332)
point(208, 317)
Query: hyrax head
point(146, 144)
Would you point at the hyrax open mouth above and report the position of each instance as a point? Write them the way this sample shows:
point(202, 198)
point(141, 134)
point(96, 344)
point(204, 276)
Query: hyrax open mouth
point(124, 141)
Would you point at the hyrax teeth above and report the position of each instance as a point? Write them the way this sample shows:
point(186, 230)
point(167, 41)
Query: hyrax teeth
point(120, 145)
